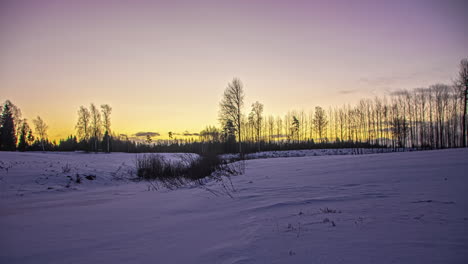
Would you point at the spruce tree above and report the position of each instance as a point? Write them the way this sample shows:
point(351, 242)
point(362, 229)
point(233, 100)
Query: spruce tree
point(23, 141)
point(30, 137)
point(7, 129)
point(22, 144)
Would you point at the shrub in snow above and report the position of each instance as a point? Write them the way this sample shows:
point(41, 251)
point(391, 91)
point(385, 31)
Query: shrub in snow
point(327, 210)
point(189, 168)
point(90, 177)
point(66, 168)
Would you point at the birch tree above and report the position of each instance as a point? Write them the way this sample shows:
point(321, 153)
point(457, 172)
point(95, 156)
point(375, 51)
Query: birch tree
point(231, 108)
point(106, 122)
point(41, 130)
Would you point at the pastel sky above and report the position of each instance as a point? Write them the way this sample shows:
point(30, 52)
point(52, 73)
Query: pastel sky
point(163, 65)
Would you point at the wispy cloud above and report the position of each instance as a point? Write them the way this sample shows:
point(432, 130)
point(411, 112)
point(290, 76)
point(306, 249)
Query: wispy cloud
point(399, 92)
point(395, 80)
point(384, 80)
point(145, 134)
point(188, 134)
point(347, 91)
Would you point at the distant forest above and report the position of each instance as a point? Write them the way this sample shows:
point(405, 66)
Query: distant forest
point(433, 117)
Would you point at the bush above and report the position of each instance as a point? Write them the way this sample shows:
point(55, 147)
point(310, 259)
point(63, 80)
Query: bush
point(189, 168)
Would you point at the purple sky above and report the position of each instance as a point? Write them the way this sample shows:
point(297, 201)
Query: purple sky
point(164, 65)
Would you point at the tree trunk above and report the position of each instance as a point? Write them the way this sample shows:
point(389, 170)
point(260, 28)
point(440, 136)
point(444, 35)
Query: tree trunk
point(464, 114)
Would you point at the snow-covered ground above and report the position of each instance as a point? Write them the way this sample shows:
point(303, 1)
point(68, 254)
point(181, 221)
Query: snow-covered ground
point(36, 172)
point(409, 207)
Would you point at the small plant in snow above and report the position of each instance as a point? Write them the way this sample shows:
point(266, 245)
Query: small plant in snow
point(90, 177)
point(66, 168)
point(78, 178)
point(5, 166)
point(326, 220)
point(327, 210)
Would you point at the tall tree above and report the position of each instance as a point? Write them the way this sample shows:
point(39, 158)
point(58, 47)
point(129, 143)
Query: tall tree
point(96, 125)
point(270, 127)
point(257, 118)
point(25, 132)
point(106, 122)
point(295, 127)
point(320, 122)
point(231, 108)
point(7, 128)
point(83, 124)
point(279, 129)
point(41, 130)
point(17, 118)
point(462, 82)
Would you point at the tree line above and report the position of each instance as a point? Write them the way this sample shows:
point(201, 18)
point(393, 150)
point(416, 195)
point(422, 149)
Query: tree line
point(421, 118)
point(425, 118)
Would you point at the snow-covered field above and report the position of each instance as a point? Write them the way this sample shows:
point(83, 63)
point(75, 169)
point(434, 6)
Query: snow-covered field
point(409, 207)
point(35, 172)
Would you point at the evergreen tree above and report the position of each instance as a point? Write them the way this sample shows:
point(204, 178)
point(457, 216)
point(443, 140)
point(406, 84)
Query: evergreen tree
point(7, 128)
point(148, 139)
point(30, 137)
point(106, 139)
point(229, 136)
point(23, 142)
point(295, 129)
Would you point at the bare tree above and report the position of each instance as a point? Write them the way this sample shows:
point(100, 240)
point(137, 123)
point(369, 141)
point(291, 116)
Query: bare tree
point(279, 128)
point(422, 102)
point(270, 127)
point(441, 101)
point(462, 82)
point(106, 122)
point(320, 122)
point(210, 134)
point(95, 125)
point(231, 107)
point(257, 119)
point(41, 130)
point(83, 124)
point(303, 121)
